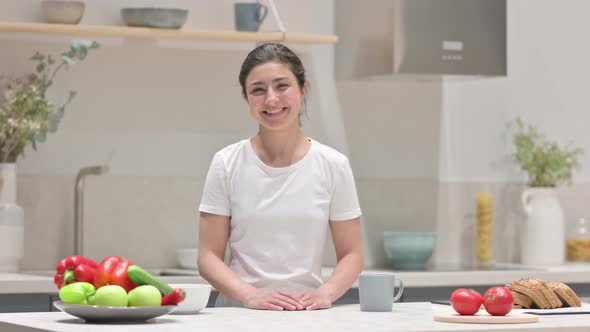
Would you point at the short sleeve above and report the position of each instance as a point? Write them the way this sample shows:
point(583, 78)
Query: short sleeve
point(344, 204)
point(215, 197)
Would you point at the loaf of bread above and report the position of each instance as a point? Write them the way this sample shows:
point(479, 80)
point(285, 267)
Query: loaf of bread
point(565, 294)
point(521, 300)
point(535, 293)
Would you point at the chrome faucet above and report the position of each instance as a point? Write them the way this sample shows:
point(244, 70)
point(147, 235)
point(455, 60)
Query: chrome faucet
point(79, 205)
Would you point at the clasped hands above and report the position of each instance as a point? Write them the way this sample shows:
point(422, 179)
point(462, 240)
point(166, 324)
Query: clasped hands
point(279, 299)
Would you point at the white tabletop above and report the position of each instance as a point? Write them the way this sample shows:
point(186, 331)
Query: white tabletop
point(416, 316)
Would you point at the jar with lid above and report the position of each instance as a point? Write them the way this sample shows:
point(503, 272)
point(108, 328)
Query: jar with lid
point(578, 241)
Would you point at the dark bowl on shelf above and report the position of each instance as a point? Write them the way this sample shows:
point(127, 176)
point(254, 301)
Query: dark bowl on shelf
point(152, 17)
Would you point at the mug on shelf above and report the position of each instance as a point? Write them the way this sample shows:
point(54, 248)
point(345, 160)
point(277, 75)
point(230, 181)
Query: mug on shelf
point(249, 16)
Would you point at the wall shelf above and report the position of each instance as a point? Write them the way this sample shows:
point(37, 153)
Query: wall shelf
point(167, 34)
point(317, 46)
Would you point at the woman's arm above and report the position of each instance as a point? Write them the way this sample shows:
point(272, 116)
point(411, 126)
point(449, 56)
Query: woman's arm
point(213, 237)
point(349, 254)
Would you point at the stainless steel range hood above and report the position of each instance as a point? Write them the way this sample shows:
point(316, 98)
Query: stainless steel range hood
point(422, 37)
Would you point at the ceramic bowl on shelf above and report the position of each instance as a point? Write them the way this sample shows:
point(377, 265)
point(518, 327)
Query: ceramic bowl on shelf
point(187, 258)
point(409, 250)
point(152, 17)
point(63, 12)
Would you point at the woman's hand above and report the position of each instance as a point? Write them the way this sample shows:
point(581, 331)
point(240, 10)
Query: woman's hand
point(273, 299)
point(317, 299)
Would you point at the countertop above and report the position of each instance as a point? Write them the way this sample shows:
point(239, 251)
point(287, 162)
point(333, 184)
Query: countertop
point(42, 281)
point(413, 316)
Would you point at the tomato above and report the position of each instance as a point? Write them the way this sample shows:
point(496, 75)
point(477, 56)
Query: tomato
point(498, 301)
point(466, 301)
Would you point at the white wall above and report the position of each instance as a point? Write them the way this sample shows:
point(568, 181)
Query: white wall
point(160, 108)
point(420, 151)
point(150, 105)
point(393, 132)
point(546, 85)
point(547, 80)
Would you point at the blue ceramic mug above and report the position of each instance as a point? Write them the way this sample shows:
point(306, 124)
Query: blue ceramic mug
point(249, 16)
point(376, 291)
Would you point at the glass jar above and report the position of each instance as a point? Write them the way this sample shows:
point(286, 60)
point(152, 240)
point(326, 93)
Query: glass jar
point(578, 242)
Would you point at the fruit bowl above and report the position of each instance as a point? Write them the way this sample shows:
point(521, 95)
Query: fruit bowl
point(103, 314)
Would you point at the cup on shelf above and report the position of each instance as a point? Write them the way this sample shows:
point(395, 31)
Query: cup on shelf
point(249, 16)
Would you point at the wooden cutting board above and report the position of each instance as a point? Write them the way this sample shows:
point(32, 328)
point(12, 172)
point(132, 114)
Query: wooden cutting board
point(480, 318)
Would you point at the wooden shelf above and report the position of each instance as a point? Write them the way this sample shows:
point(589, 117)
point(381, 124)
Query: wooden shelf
point(151, 33)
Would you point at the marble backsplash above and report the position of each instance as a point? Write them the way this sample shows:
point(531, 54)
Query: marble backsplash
point(146, 218)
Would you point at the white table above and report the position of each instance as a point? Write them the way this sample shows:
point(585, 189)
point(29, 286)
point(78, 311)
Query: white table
point(405, 317)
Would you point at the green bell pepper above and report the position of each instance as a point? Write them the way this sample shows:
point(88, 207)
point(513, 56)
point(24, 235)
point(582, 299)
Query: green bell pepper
point(77, 293)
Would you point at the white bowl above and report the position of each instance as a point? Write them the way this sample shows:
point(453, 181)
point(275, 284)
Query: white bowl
point(187, 258)
point(197, 296)
point(63, 12)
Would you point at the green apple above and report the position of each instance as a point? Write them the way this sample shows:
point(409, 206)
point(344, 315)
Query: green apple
point(144, 296)
point(110, 296)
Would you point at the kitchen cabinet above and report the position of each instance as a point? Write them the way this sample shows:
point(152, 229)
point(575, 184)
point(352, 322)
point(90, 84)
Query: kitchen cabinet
point(25, 302)
point(44, 302)
point(420, 37)
point(443, 293)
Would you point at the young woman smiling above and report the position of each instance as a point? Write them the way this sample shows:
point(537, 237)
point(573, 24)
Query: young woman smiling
point(273, 198)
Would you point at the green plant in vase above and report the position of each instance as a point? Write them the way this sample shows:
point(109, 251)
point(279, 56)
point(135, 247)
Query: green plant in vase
point(546, 163)
point(26, 113)
point(26, 116)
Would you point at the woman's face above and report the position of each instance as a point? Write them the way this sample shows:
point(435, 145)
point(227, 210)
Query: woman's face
point(274, 96)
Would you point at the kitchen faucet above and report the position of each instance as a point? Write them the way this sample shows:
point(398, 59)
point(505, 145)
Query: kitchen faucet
point(79, 204)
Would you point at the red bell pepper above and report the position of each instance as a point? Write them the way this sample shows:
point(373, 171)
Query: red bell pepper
point(174, 298)
point(113, 271)
point(74, 268)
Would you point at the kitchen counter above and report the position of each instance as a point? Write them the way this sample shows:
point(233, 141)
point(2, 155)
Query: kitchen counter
point(414, 316)
point(42, 281)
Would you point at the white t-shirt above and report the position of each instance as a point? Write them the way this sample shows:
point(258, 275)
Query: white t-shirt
point(279, 215)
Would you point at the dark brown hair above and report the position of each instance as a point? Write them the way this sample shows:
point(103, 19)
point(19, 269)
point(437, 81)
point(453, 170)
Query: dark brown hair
point(272, 52)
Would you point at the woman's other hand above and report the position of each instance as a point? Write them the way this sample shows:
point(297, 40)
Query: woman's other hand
point(275, 299)
point(317, 299)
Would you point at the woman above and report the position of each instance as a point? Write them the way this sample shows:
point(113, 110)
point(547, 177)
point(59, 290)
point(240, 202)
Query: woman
point(273, 198)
